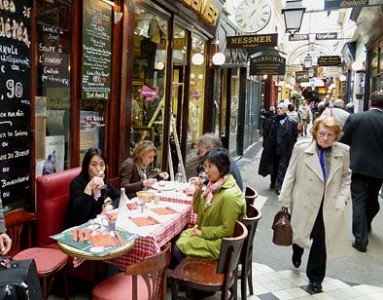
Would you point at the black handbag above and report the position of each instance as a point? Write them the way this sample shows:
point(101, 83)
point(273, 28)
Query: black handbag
point(283, 232)
point(19, 280)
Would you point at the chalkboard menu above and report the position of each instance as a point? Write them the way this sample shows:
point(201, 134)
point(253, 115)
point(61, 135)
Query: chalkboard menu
point(15, 103)
point(97, 45)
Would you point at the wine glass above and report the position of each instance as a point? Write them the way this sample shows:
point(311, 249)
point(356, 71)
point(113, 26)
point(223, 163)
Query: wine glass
point(203, 176)
point(102, 175)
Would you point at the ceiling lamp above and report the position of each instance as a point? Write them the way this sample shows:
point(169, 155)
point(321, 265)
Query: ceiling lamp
point(197, 59)
point(293, 12)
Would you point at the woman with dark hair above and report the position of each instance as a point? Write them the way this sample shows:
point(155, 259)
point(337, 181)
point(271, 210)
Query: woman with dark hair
point(217, 208)
point(90, 192)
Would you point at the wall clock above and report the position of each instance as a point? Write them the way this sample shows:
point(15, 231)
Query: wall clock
point(253, 15)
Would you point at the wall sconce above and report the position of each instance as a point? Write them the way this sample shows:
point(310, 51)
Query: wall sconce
point(342, 78)
point(159, 66)
point(197, 59)
point(293, 12)
point(357, 65)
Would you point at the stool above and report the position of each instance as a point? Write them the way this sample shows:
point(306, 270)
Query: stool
point(48, 263)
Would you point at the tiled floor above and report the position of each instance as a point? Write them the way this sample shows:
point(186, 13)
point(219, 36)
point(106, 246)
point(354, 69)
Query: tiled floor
point(291, 284)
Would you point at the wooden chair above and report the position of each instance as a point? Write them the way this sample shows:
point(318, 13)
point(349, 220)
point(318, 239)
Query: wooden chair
point(251, 222)
point(211, 275)
point(250, 195)
point(145, 279)
point(48, 261)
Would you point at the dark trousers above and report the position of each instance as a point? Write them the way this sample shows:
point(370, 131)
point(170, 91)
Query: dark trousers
point(316, 264)
point(280, 164)
point(365, 205)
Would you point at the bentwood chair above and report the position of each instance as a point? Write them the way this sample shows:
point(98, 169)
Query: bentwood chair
point(250, 195)
point(212, 275)
point(246, 260)
point(48, 261)
point(145, 280)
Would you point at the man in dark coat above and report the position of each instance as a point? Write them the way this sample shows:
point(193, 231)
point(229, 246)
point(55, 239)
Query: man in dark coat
point(278, 148)
point(363, 132)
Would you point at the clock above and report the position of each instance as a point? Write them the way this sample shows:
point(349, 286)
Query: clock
point(253, 15)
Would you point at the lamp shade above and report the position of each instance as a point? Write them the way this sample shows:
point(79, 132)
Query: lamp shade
point(308, 61)
point(293, 13)
point(219, 59)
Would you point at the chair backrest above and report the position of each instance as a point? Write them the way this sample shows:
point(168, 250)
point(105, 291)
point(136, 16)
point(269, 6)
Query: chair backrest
point(52, 197)
point(230, 251)
point(250, 195)
point(14, 222)
point(251, 222)
point(153, 270)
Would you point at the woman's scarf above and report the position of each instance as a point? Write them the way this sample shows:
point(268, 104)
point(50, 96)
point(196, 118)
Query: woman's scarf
point(142, 171)
point(211, 189)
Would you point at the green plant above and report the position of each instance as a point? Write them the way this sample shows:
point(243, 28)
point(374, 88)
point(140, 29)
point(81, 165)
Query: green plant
point(297, 99)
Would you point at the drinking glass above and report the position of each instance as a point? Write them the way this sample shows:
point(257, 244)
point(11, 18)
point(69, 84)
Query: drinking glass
point(203, 176)
point(102, 175)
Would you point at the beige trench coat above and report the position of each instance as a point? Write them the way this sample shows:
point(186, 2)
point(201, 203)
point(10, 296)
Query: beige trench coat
point(303, 189)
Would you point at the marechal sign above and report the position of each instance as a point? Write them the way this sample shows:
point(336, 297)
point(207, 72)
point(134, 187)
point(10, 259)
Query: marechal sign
point(338, 4)
point(267, 62)
point(329, 61)
point(252, 41)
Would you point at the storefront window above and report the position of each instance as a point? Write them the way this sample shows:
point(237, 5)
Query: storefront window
point(197, 94)
point(53, 39)
point(150, 43)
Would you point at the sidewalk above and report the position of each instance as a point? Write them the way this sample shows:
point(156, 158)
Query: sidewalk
point(353, 267)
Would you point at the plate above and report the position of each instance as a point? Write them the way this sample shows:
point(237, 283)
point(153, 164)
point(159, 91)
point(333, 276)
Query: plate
point(163, 185)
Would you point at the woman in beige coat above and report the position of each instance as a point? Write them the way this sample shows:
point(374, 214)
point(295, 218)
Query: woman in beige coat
point(316, 190)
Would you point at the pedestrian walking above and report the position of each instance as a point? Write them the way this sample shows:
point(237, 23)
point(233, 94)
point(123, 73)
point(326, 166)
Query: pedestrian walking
point(278, 148)
point(364, 133)
point(316, 190)
point(305, 113)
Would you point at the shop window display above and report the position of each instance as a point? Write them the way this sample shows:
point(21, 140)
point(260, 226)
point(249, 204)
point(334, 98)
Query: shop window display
point(52, 102)
point(150, 43)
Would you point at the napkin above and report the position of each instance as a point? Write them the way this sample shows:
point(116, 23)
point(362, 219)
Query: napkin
point(143, 221)
point(163, 210)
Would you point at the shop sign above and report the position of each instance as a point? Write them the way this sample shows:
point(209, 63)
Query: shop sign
point(329, 61)
point(298, 37)
point(268, 62)
point(252, 41)
point(338, 4)
point(302, 76)
point(332, 72)
point(326, 36)
point(205, 9)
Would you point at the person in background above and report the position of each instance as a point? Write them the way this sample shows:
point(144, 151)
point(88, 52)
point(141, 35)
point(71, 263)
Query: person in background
point(337, 111)
point(350, 108)
point(267, 120)
point(217, 208)
point(210, 141)
point(320, 108)
point(316, 190)
point(90, 193)
point(5, 240)
point(292, 113)
point(305, 113)
point(364, 133)
point(134, 172)
point(278, 148)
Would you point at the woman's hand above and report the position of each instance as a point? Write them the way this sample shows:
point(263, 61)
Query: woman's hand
point(94, 186)
point(5, 243)
point(149, 182)
point(195, 231)
point(197, 182)
point(163, 175)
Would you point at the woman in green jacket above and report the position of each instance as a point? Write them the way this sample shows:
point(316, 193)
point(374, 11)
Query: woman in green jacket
point(217, 208)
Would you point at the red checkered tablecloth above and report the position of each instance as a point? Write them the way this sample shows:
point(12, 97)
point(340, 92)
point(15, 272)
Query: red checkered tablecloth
point(151, 244)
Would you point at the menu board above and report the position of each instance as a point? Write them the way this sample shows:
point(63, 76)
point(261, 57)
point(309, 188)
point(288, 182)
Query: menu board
point(53, 58)
point(15, 103)
point(96, 47)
